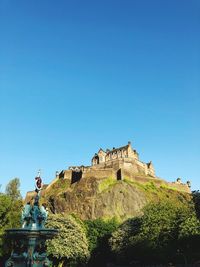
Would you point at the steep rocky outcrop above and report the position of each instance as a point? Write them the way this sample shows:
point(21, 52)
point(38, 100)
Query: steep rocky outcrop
point(93, 198)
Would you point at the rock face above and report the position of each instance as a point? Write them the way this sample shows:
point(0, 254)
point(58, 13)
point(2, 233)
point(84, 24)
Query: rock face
point(106, 198)
point(91, 199)
point(122, 201)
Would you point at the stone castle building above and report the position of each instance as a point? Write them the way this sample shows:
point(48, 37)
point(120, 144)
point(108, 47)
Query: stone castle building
point(124, 157)
point(116, 163)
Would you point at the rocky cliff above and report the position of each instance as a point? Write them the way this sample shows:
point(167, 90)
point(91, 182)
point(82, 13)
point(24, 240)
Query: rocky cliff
point(93, 198)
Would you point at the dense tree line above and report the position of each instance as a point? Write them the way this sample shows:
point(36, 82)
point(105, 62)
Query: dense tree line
point(166, 232)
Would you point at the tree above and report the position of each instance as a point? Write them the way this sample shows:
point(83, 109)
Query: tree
point(157, 234)
point(161, 220)
point(189, 227)
point(10, 212)
point(196, 201)
point(99, 229)
point(70, 246)
point(121, 237)
point(189, 238)
point(98, 233)
point(5, 207)
point(13, 189)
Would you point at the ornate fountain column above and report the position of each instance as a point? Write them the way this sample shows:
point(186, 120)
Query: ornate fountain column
point(29, 248)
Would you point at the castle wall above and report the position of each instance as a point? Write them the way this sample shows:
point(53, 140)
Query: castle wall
point(118, 153)
point(180, 187)
point(67, 174)
point(129, 164)
point(53, 182)
point(102, 156)
point(131, 153)
point(109, 164)
point(151, 170)
point(129, 169)
point(117, 158)
point(145, 168)
point(99, 173)
point(126, 168)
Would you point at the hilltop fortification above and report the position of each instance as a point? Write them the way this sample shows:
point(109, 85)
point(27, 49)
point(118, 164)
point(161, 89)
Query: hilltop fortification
point(119, 164)
point(116, 163)
point(116, 184)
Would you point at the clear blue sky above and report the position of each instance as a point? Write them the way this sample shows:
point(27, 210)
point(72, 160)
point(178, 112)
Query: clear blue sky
point(79, 75)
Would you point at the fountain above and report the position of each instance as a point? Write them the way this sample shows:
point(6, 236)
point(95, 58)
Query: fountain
point(29, 248)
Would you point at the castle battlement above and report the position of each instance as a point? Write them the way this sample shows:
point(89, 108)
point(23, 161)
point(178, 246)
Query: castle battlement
point(126, 156)
point(116, 153)
point(118, 164)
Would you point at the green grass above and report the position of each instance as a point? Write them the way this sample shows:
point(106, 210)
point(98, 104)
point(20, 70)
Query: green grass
point(164, 186)
point(59, 187)
point(106, 184)
point(149, 186)
point(157, 193)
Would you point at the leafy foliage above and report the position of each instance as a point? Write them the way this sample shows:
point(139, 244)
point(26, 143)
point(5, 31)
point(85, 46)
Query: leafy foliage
point(196, 201)
point(10, 212)
point(99, 229)
point(98, 233)
point(70, 245)
point(12, 189)
point(163, 230)
point(160, 222)
point(120, 237)
point(5, 206)
point(189, 227)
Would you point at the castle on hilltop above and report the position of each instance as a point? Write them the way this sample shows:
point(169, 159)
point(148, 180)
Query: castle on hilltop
point(117, 183)
point(121, 163)
point(116, 163)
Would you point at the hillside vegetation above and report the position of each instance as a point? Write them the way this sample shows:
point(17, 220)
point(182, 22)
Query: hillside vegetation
point(107, 198)
point(165, 227)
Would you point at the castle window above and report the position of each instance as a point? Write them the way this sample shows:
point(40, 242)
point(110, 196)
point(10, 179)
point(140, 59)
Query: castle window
point(96, 160)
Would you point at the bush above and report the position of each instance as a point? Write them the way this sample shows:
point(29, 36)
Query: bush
point(70, 246)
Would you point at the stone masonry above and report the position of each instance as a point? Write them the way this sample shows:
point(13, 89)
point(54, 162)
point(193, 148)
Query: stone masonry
point(116, 163)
